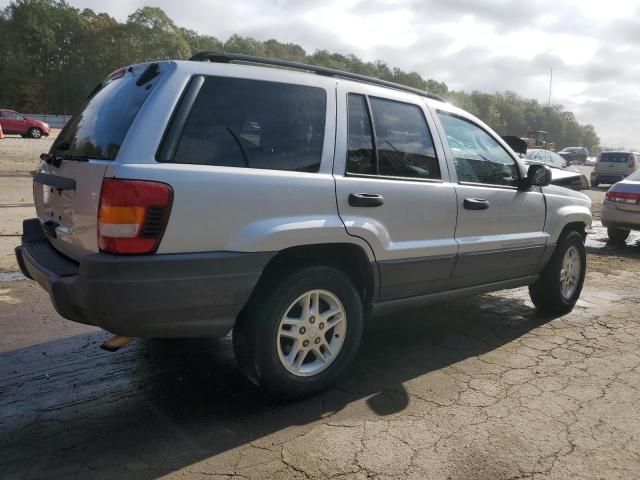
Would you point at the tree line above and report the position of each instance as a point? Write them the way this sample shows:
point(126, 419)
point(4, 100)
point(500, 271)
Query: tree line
point(53, 54)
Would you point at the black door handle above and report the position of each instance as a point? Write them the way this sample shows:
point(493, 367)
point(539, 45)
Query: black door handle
point(476, 203)
point(365, 200)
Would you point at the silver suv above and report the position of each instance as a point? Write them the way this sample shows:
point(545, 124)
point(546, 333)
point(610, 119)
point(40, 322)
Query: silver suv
point(612, 167)
point(192, 198)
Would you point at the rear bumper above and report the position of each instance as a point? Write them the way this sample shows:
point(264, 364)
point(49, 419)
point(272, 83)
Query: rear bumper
point(172, 295)
point(607, 178)
point(613, 217)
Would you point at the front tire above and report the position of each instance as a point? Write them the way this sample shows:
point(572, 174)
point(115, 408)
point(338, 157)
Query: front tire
point(560, 284)
point(301, 336)
point(35, 133)
point(618, 235)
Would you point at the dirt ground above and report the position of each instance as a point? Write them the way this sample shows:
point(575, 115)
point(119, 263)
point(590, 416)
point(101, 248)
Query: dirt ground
point(483, 388)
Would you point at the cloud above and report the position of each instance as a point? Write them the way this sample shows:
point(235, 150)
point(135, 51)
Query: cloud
point(490, 45)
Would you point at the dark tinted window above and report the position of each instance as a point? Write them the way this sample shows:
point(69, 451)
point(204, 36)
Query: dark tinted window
point(477, 156)
point(360, 158)
point(99, 129)
point(614, 157)
point(256, 124)
point(405, 148)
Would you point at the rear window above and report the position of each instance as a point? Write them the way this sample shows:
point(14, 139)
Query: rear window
point(254, 124)
point(98, 130)
point(614, 157)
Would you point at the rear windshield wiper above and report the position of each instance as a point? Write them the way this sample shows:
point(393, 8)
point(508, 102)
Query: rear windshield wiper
point(56, 159)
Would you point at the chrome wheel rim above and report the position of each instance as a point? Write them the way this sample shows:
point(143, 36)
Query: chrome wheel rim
point(36, 134)
point(311, 333)
point(570, 272)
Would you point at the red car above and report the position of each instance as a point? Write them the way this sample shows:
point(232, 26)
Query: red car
point(14, 123)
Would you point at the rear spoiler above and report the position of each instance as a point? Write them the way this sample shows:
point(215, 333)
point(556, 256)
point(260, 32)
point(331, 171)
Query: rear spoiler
point(517, 144)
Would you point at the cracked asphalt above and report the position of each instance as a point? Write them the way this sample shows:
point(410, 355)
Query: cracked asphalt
point(483, 388)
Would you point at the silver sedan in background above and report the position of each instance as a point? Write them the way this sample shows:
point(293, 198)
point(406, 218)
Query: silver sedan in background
point(621, 208)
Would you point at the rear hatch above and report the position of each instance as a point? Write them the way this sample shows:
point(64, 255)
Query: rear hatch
point(67, 184)
point(614, 163)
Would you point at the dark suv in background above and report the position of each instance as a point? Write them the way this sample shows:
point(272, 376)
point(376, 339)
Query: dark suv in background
point(575, 155)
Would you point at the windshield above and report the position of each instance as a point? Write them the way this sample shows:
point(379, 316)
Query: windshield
point(556, 160)
point(98, 130)
point(547, 157)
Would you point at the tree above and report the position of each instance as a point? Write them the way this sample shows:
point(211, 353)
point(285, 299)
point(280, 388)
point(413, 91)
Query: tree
point(57, 54)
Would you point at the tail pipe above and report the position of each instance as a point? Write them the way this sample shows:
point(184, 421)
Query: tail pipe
point(116, 342)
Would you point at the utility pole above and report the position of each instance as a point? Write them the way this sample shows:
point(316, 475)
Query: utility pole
point(550, 84)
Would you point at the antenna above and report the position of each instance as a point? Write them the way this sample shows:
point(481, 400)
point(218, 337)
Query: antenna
point(550, 84)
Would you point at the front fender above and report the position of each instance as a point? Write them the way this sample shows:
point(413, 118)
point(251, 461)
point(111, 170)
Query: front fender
point(564, 207)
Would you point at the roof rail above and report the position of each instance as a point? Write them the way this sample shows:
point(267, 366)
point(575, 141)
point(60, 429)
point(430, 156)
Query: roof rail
point(223, 57)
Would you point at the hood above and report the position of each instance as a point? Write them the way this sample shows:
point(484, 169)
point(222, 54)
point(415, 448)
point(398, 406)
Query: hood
point(576, 197)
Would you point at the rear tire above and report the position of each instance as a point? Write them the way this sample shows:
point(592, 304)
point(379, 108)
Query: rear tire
point(595, 184)
point(298, 337)
point(35, 133)
point(618, 235)
point(560, 284)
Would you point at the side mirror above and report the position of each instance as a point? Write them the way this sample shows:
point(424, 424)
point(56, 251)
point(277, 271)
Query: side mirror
point(538, 176)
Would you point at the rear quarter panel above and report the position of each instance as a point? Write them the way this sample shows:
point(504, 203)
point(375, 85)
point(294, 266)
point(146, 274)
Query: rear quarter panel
point(219, 208)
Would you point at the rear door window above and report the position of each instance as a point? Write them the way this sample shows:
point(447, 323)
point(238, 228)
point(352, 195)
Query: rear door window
point(254, 124)
point(360, 153)
point(405, 148)
point(403, 143)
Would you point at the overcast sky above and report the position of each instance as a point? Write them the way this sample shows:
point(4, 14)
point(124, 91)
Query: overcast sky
point(593, 46)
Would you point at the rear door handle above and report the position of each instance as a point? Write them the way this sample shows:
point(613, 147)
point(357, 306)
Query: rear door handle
point(365, 200)
point(476, 204)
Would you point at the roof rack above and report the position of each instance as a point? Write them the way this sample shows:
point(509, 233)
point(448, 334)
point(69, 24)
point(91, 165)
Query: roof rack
point(222, 57)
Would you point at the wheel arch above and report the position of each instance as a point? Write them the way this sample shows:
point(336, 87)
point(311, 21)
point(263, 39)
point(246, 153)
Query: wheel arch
point(576, 226)
point(569, 218)
point(349, 258)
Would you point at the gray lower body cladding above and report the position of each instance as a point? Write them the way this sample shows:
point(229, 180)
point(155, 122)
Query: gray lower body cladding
point(422, 276)
point(172, 295)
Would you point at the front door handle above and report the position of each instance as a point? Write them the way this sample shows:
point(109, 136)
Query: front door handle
point(365, 200)
point(476, 204)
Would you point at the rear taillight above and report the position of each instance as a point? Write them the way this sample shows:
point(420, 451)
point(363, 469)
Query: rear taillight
point(132, 215)
point(619, 197)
